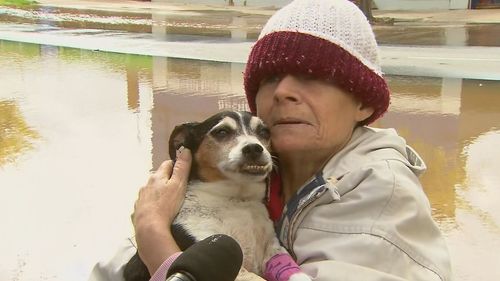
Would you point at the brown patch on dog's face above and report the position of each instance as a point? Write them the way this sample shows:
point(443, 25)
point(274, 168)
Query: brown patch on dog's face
point(207, 158)
point(215, 148)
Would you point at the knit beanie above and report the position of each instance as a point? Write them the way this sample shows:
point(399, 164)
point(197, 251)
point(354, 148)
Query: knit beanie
point(328, 39)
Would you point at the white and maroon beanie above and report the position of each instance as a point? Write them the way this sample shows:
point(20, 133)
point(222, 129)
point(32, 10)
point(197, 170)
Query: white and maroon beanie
point(328, 39)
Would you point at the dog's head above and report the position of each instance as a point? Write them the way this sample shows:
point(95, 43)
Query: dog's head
point(227, 146)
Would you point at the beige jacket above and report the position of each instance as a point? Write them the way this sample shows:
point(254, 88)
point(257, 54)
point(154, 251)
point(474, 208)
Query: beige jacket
point(366, 217)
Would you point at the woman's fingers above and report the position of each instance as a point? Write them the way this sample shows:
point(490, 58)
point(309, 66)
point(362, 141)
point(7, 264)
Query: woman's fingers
point(175, 188)
point(163, 173)
point(156, 207)
point(177, 173)
point(182, 167)
point(165, 169)
point(162, 197)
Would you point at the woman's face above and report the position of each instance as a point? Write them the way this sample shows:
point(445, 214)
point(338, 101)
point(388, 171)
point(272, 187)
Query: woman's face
point(307, 115)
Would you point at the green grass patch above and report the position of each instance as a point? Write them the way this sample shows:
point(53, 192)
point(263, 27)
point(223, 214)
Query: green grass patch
point(18, 2)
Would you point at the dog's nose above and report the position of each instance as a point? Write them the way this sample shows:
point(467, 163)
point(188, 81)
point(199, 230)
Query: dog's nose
point(252, 151)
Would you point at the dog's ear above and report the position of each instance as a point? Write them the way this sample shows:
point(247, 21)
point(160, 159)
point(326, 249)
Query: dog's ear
point(180, 137)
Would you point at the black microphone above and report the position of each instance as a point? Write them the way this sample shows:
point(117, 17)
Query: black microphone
point(216, 258)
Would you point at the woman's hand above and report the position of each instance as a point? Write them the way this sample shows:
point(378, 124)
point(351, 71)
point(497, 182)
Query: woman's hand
point(155, 210)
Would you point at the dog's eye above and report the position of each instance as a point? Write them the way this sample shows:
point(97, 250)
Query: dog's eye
point(264, 133)
point(221, 133)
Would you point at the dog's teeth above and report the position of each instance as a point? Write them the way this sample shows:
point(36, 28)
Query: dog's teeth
point(254, 168)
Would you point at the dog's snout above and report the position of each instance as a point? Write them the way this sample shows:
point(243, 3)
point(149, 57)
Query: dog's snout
point(252, 151)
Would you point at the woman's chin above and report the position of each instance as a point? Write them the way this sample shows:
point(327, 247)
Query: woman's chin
point(292, 138)
point(290, 145)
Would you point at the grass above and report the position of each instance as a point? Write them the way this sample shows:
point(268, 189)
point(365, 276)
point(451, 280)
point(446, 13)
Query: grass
point(17, 2)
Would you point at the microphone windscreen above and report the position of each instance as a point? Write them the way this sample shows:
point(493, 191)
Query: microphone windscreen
point(216, 258)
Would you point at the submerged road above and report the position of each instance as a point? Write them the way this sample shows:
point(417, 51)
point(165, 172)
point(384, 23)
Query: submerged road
point(470, 62)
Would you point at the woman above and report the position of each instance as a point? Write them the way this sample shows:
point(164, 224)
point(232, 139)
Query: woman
point(346, 198)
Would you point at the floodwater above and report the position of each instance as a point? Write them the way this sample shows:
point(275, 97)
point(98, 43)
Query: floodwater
point(80, 131)
point(223, 25)
point(179, 25)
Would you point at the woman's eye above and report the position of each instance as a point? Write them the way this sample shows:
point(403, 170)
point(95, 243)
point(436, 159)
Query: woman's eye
point(271, 79)
point(306, 77)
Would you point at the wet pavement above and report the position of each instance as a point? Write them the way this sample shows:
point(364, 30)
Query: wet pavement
point(217, 24)
point(226, 35)
point(432, 35)
point(223, 23)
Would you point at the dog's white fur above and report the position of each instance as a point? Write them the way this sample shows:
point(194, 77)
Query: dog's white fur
point(235, 210)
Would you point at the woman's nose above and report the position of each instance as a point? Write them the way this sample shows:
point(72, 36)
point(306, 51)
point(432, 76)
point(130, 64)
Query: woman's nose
point(287, 90)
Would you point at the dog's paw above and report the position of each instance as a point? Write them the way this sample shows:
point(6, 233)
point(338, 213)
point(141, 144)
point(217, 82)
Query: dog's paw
point(282, 267)
point(299, 276)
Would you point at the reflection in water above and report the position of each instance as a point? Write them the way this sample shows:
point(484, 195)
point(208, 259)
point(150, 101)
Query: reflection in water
point(187, 91)
point(186, 24)
point(440, 118)
point(94, 155)
point(480, 195)
point(16, 137)
point(106, 118)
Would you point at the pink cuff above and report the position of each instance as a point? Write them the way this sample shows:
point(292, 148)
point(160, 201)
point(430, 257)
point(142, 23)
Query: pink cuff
point(161, 272)
point(280, 267)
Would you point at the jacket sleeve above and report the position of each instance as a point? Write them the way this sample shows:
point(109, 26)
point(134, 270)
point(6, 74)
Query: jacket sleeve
point(380, 229)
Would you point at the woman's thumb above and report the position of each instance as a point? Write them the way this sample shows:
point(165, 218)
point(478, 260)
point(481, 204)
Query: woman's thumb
point(182, 166)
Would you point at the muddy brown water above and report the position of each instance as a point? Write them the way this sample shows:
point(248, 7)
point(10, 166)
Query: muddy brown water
point(80, 131)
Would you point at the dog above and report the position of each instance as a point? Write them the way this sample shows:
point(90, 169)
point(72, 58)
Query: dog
point(226, 190)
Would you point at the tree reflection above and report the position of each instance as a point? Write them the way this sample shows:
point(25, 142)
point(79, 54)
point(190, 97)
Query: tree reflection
point(16, 137)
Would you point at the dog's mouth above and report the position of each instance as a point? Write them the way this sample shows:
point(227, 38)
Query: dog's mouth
point(255, 169)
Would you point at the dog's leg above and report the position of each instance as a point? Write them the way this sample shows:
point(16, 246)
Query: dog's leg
point(280, 266)
point(272, 249)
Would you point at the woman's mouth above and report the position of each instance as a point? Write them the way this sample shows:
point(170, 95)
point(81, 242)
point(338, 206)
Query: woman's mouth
point(290, 121)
